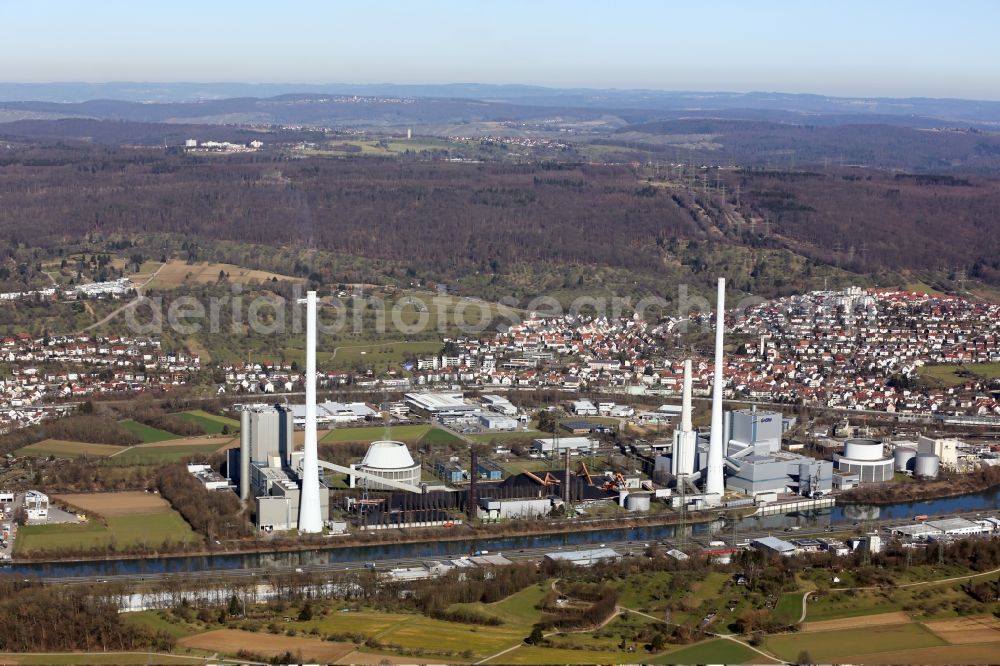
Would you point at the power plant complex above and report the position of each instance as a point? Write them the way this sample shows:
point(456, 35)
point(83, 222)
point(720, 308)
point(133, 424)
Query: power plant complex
point(739, 459)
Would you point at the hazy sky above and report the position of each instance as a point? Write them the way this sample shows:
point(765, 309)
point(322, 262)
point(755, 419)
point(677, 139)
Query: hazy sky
point(841, 47)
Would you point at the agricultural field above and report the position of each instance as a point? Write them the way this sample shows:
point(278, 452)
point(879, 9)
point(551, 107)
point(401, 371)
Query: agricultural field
point(836, 646)
point(150, 530)
point(177, 273)
point(102, 658)
point(147, 433)
point(211, 423)
point(61, 448)
point(113, 505)
point(172, 450)
point(231, 641)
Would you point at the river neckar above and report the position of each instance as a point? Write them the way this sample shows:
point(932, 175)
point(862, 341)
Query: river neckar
point(813, 519)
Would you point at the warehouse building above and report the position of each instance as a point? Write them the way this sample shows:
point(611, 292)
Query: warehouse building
point(556, 445)
point(584, 558)
point(770, 544)
point(441, 405)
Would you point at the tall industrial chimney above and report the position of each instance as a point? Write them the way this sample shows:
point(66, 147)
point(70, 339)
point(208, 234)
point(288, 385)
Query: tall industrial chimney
point(245, 454)
point(685, 439)
point(686, 399)
point(309, 509)
point(714, 483)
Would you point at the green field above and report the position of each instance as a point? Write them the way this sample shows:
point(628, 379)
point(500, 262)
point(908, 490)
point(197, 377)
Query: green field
point(66, 449)
point(715, 651)
point(381, 354)
point(439, 437)
point(147, 434)
point(156, 455)
point(951, 375)
point(403, 433)
point(518, 609)
point(156, 620)
point(122, 532)
point(789, 608)
point(834, 606)
point(831, 646)
point(211, 423)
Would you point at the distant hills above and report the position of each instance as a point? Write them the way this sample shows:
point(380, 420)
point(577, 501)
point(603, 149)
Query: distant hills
point(183, 100)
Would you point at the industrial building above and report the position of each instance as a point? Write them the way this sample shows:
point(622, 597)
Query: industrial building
point(556, 445)
point(500, 509)
point(489, 470)
point(584, 558)
point(335, 413)
point(285, 486)
point(498, 422)
point(865, 457)
point(781, 472)
point(208, 477)
point(387, 460)
point(499, 404)
point(36, 505)
point(450, 471)
point(748, 428)
point(945, 449)
point(770, 544)
point(441, 405)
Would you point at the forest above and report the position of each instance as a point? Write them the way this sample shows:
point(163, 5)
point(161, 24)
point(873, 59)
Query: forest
point(497, 228)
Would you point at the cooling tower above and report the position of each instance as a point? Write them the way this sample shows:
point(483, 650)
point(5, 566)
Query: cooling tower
point(714, 483)
point(310, 520)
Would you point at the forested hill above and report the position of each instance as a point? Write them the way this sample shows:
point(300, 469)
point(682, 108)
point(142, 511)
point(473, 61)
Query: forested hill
point(512, 226)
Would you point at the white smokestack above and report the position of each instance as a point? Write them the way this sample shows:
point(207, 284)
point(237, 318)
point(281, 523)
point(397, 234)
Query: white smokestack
point(685, 439)
point(714, 483)
point(686, 400)
point(309, 519)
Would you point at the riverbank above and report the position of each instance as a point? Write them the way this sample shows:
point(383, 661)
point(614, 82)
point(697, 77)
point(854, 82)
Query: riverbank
point(460, 532)
point(980, 481)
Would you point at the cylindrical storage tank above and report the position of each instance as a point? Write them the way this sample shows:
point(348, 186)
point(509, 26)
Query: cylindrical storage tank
point(863, 449)
point(637, 502)
point(927, 465)
point(903, 458)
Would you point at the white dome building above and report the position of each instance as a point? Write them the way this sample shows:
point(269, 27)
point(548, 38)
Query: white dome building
point(389, 460)
point(865, 457)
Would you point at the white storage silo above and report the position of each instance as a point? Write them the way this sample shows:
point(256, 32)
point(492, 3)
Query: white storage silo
point(903, 458)
point(637, 502)
point(927, 465)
